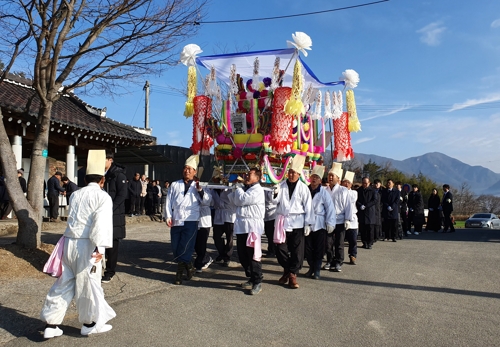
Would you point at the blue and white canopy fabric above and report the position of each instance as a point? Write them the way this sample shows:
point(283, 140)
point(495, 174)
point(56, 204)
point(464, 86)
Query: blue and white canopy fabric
point(244, 63)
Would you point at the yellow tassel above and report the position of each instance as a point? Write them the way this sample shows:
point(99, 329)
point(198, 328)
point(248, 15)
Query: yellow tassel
point(294, 106)
point(354, 124)
point(191, 91)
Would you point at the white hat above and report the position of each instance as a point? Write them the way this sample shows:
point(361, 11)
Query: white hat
point(349, 175)
point(298, 163)
point(336, 170)
point(193, 161)
point(318, 170)
point(96, 162)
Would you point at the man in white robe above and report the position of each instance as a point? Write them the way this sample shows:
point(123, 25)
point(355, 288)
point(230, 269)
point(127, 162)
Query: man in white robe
point(223, 224)
point(324, 214)
point(343, 207)
point(203, 260)
point(249, 227)
point(351, 233)
point(182, 211)
point(89, 232)
point(294, 215)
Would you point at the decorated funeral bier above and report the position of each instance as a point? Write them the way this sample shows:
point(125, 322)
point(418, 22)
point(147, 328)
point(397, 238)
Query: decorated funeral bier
point(260, 109)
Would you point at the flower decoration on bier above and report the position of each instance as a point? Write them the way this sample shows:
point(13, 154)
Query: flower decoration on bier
point(188, 58)
point(301, 41)
point(351, 78)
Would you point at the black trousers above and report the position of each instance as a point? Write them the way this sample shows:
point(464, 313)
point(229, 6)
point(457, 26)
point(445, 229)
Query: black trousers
point(377, 232)
point(366, 234)
point(200, 247)
point(294, 244)
point(447, 222)
point(338, 244)
point(315, 248)
point(135, 204)
point(269, 231)
point(143, 205)
point(53, 205)
point(253, 268)
point(112, 258)
point(225, 248)
point(329, 247)
point(391, 227)
point(351, 236)
point(404, 222)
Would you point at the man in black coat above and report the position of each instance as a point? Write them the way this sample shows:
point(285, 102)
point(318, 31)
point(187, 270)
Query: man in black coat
point(416, 207)
point(390, 210)
point(116, 186)
point(447, 206)
point(135, 190)
point(377, 229)
point(70, 187)
point(54, 188)
point(367, 199)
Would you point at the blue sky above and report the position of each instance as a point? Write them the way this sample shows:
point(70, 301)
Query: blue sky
point(429, 70)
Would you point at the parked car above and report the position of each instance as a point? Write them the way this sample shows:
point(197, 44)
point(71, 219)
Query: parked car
point(483, 220)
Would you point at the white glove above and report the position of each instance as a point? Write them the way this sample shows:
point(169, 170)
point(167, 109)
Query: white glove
point(347, 225)
point(276, 189)
point(169, 222)
point(363, 207)
point(401, 198)
point(431, 209)
point(411, 209)
point(449, 200)
point(389, 208)
point(329, 229)
point(307, 230)
point(237, 185)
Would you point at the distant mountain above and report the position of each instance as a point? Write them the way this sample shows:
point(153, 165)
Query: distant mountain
point(442, 169)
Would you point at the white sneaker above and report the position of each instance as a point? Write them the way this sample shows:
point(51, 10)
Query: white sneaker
point(93, 330)
point(408, 233)
point(49, 333)
point(210, 261)
point(199, 271)
point(326, 266)
point(415, 233)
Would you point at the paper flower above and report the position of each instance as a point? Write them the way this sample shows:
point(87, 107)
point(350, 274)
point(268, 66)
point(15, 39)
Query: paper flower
point(351, 78)
point(301, 41)
point(188, 54)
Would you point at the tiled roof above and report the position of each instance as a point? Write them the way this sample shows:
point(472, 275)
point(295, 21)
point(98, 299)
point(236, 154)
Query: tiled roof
point(15, 93)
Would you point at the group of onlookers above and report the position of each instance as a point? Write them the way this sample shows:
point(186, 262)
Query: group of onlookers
point(145, 196)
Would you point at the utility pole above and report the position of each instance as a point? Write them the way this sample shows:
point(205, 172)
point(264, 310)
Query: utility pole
point(146, 90)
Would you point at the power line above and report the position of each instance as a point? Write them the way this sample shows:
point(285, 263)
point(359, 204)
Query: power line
point(289, 16)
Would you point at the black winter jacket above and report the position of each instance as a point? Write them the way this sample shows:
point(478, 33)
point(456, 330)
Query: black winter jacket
point(116, 186)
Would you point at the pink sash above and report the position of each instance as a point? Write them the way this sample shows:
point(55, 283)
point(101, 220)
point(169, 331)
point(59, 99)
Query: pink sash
point(253, 240)
point(279, 230)
point(53, 266)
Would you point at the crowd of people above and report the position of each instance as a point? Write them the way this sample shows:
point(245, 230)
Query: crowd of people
point(301, 222)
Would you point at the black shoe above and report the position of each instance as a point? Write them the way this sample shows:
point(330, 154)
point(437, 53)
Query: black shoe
point(369, 247)
point(106, 279)
point(270, 255)
point(309, 273)
point(247, 285)
point(394, 240)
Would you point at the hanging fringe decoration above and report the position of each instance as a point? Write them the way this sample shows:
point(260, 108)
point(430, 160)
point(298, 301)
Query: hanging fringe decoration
point(294, 106)
point(281, 124)
point(337, 105)
point(275, 82)
point(354, 125)
point(202, 142)
point(191, 92)
point(233, 89)
point(255, 79)
point(328, 106)
point(342, 148)
point(317, 110)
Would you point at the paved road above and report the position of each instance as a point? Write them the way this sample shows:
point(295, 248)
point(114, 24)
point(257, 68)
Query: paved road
point(428, 290)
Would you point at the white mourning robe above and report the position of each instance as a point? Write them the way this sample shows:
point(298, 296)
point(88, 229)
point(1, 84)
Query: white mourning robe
point(342, 203)
point(183, 208)
point(354, 221)
point(205, 210)
point(324, 212)
point(224, 208)
point(297, 211)
point(90, 225)
point(250, 210)
point(271, 204)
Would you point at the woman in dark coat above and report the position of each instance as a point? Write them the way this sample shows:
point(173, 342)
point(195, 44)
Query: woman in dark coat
point(434, 216)
point(416, 206)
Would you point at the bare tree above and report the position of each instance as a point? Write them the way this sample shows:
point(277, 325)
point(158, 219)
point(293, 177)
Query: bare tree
point(488, 203)
point(91, 45)
point(464, 202)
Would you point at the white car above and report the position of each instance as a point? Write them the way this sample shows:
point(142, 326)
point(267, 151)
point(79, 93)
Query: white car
point(483, 220)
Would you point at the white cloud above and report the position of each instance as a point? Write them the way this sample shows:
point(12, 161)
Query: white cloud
point(432, 33)
point(390, 113)
point(363, 139)
point(495, 23)
point(474, 102)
